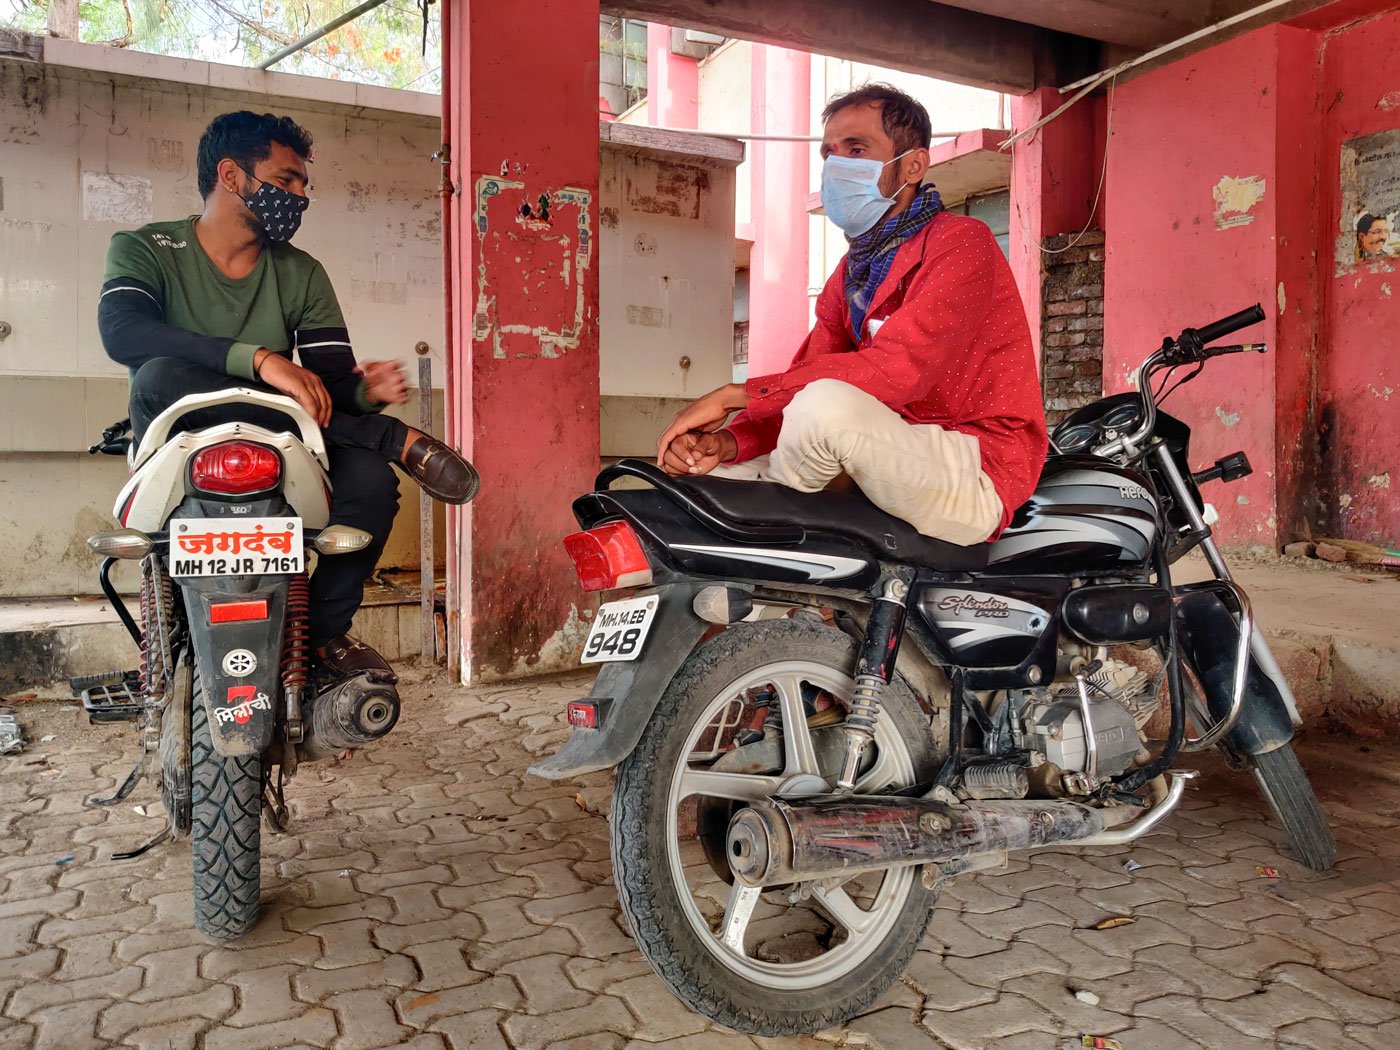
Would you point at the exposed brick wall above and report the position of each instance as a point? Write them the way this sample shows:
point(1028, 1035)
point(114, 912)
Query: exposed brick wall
point(1072, 322)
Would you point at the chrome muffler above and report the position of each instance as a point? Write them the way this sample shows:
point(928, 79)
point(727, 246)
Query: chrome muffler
point(777, 842)
point(350, 714)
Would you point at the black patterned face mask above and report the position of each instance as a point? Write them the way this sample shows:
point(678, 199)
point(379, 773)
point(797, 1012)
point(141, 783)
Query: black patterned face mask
point(277, 210)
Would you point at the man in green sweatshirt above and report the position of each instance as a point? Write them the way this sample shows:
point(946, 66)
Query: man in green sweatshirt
point(221, 300)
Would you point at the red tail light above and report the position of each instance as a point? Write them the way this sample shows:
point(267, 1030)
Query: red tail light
point(609, 557)
point(235, 467)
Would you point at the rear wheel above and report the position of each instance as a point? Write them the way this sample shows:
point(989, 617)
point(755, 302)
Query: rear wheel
point(785, 960)
point(1290, 794)
point(226, 799)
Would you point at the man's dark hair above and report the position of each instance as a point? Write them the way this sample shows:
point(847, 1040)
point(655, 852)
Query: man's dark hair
point(246, 138)
point(905, 119)
point(1364, 224)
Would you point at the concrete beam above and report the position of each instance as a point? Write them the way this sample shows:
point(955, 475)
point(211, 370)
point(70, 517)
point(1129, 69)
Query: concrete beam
point(913, 35)
point(1137, 24)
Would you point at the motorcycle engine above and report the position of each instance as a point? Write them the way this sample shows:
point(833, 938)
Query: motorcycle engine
point(1119, 705)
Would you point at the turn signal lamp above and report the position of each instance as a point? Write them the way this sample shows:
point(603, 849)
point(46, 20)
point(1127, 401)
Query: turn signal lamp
point(235, 468)
point(123, 543)
point(342, 539)
point(608, 557)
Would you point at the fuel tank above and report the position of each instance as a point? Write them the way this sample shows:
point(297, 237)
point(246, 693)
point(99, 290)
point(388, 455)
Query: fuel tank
point(1086, 515)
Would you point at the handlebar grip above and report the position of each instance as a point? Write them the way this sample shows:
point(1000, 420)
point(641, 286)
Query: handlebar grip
point(1223, 327)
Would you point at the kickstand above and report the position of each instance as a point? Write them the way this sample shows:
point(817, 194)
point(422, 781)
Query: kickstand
point(134, 853)
point(275, 804)
point(128, 786)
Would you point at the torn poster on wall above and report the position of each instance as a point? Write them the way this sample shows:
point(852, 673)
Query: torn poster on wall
point(1370, 174)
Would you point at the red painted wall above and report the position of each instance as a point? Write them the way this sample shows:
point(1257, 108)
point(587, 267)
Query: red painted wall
point(524, 399)
point(1317, 416)
point(1171, 263)
point(1359, 375)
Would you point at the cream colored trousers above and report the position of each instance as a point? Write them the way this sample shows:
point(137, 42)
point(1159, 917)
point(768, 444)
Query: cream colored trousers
point(930, 477)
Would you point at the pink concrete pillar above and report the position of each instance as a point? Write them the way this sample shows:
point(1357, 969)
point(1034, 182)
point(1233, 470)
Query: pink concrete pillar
point(782, 85)
point(673, 82)
point(1054, 175)
point(523, 126)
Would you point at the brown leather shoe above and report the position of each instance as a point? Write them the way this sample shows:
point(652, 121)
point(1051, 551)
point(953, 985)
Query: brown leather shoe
point(345, 656)
point(440, 471)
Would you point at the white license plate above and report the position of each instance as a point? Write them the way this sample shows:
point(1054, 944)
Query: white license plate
point(236, 547)
point(620, 630)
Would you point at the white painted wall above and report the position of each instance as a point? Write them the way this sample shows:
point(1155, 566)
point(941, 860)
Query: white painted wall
point(88, 153)
point(85, 152)
point(666, 249)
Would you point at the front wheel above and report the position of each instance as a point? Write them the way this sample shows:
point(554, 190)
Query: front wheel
point(791, 959)
point(226, 799)
point(1289, 793)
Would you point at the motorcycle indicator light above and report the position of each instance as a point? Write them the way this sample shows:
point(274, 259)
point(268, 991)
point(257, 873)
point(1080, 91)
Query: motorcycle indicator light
point(121, 543)
point(608, 557)
point(235, 468)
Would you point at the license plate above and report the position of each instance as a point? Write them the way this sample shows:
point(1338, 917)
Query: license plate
point(620, 630)
point(236, 547)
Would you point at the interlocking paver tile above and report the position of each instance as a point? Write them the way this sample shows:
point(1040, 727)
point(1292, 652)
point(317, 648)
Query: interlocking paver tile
point(367, 1020)
point(213, 1003)
point(1314, 1034)
point(29, 999)
point(461, 925)
point(442, 964)
point(219, 963)
point(170, 973)
point(424, 1009)
point(396, 971)
point(175, 1035)
point(479, 1030)
point(545, 985)
point(981, 1026)
point(660, 1015)
point(316, 1028)
point(347, 943)
point(265, 996)
point(1186, 1016)
point(72, 1026)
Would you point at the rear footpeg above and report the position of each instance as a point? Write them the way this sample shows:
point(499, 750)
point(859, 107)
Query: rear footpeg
point(775, 843)
point(114, 697)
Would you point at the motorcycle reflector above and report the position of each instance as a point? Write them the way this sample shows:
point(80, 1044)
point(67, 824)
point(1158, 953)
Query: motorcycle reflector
point(235, 468)
point(583, 713)
point(238, 612)
point(608, 557)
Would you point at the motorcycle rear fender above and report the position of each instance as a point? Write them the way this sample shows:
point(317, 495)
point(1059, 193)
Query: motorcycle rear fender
point(242, 709)
point(1209, 637)
point(629, 692)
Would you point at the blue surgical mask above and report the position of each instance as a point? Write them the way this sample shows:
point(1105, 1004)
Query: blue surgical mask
point(851, 194)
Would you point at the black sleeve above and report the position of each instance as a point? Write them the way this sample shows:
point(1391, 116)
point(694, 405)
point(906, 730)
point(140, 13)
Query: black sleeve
point(131, 321)
point(327, 352)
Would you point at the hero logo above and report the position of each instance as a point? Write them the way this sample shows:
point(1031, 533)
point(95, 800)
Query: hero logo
point(1132, 492)
point(982, 608)
point(242, 701)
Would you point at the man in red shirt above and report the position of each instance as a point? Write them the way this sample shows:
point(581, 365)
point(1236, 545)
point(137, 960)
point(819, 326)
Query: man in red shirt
point(919, 380)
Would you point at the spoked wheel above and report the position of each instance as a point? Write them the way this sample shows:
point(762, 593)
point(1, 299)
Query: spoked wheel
point(788, 959)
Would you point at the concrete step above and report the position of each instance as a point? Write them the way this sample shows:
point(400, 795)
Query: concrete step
point(46, 641)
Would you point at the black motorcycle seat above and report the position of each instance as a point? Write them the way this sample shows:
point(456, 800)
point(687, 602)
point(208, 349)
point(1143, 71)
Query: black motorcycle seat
point(847, 514)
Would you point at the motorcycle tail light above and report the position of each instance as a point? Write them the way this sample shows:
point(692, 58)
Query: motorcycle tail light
point(608, 557)
point(235, 468)
point(583, 713)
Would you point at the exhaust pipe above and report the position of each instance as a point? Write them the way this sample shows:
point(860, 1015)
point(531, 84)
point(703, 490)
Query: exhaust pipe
point(776, 842)
point(350, 714)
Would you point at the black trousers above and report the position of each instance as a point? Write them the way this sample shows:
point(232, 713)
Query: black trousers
point(365, 492)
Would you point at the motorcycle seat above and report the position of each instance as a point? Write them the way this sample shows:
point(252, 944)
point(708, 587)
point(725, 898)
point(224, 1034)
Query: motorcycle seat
point(847, 514)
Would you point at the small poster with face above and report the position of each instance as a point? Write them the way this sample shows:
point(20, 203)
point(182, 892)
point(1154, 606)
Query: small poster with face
point(1370, 173)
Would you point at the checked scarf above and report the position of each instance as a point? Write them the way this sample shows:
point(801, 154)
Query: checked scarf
point(872, 253)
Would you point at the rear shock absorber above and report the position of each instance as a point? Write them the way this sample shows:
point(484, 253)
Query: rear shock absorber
point(875, 667)
point(296, 652)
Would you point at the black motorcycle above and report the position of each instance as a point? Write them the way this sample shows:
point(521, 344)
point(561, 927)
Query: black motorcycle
point(818, 714)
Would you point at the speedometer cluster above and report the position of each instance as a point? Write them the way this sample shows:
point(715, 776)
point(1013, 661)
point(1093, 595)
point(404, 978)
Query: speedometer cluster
point(1099, 423)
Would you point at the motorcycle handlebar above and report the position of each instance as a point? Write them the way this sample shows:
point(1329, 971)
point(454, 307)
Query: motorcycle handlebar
point(1223, 327)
